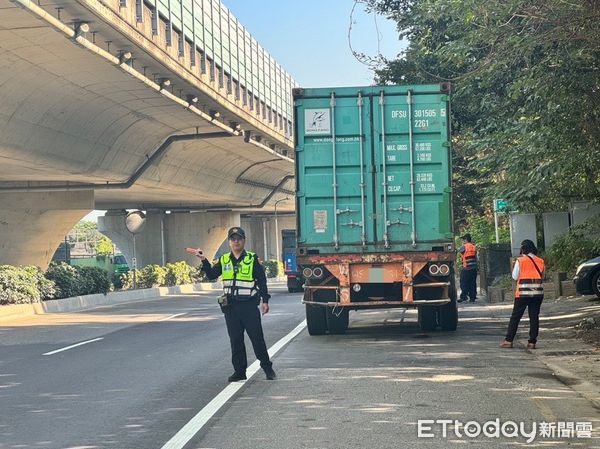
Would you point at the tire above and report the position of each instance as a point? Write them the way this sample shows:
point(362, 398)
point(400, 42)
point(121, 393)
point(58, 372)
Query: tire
point(448, 313)
point(596, 284)
point(448, 316)
point(337, 324)
point(427, 318)
point(316, 322)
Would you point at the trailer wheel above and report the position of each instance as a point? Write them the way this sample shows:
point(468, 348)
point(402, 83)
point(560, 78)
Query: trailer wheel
point(337, 324)
point(427, 318)
point(448, 313)
point(316, 322)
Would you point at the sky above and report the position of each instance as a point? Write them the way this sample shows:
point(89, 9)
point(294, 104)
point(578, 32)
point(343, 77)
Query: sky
point(309, 39)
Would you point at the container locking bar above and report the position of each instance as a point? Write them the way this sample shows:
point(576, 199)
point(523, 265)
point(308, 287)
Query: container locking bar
point(411, 144)
point(363, 237)
point(386, 240)
point(334, 185)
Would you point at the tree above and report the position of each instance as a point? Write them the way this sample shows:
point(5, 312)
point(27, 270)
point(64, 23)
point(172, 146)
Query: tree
point(104, 246)
point(526, 115)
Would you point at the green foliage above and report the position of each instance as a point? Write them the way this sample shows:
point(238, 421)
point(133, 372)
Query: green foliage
point(273, 268)
point(67, 279)
point(178, 273)
point(46, 287)
point(94, 280)
point(75, 281)
point(104, 246)
point(581, 243)
point(148, 277)
point(483, 231)
point(526, 94)
point(18, 285)
point(505, 282)
point(87, 228)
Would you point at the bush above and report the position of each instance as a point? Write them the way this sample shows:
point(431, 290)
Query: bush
point(75, 281)
point(67, 279)
point(273, 268)
point(46, 287)
point(18, 285)
point(178, 273)
point(148, 277)
point(581, 243)
point(94, 280)
point(505, 282)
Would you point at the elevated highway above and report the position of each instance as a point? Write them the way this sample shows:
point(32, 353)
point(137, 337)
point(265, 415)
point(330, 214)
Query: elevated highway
point(120, 104)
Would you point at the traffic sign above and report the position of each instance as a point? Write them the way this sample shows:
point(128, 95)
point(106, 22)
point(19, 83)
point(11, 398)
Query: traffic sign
point(501, 205)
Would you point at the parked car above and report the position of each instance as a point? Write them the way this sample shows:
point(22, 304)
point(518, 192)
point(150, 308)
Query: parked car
point(587, 278)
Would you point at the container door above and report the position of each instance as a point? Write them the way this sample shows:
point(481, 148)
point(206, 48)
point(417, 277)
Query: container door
point(413, 174)
point(334, 140)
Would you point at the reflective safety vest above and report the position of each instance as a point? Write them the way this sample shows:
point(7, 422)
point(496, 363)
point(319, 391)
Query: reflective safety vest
point(529, 284)
point(469, 257)
point(238, 279)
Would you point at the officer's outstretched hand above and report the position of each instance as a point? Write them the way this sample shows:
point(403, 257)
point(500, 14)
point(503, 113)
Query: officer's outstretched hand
point(195, 252)
point(265, 308)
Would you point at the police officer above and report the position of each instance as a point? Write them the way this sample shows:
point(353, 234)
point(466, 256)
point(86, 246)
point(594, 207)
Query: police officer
point(244, 285)
point(468, 275)
point(529, 294)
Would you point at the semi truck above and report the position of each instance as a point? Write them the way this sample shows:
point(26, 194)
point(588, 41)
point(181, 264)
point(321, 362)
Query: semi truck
point(374, 203)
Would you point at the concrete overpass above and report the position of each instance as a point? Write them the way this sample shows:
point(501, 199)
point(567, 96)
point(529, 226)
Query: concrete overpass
point(156, 105)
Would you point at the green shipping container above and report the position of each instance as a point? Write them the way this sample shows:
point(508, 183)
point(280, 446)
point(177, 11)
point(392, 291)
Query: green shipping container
point(373, 169)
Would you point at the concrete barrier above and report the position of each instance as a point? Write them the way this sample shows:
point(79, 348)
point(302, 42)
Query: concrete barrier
point(78, 303)
point(568, 288)
point(495, 294)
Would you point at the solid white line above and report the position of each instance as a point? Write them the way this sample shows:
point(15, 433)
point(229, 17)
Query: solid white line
point(73, 346)
point(172, 316)
point(187, 432)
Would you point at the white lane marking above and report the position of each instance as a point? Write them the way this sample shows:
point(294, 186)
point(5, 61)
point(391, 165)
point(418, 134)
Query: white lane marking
point(73, 346)
point(172, 316)
point(187, 432)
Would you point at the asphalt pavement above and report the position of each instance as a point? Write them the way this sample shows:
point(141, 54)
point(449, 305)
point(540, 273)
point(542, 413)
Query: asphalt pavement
point(146, 369)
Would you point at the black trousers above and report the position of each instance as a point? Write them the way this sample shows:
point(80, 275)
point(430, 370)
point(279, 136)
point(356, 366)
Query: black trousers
point(533, 306)
point(468, 284)
point(240, 317)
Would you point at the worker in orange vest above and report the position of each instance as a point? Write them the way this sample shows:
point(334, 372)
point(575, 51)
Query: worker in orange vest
point(468, 274)
point(529, 294)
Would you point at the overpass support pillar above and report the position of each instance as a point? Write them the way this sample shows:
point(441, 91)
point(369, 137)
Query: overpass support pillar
point(165, 236)
point(33, 224)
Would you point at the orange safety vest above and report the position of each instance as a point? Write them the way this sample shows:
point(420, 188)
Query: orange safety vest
point(469, 257)
point(529, 284)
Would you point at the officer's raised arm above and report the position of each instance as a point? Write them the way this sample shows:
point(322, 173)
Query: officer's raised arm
point(212, 272)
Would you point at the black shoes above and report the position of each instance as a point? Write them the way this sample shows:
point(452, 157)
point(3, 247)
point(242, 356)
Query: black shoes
point(241, 375)
point(237, 376)
point(270, 373)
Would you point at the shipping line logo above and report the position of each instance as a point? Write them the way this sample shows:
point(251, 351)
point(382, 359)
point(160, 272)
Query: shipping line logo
point(317, 121)
point(451, 428)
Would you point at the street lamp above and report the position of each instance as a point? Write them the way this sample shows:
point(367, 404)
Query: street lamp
point(277, 256)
